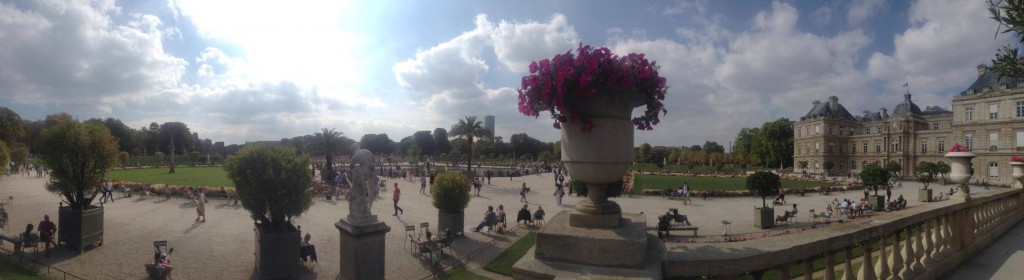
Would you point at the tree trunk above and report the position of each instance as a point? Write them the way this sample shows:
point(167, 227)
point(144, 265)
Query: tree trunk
point(172, 155)
point(469, 165)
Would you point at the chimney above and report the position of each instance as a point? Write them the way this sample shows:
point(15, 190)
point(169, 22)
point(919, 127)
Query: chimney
point(882, 113)
point(833, 103)
point(815, 102)
point(981, 69)
point(867, 114)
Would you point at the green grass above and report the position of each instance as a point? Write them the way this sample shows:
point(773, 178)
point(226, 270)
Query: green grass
point(213, 177)
point(503, 263)
point(661, 182)
point(9, 271)
point(677, 168)
point(462, 274)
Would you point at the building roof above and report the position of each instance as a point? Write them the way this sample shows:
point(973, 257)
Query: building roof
point(906, 107)
point(870, 116)
point(935, 110)
point(822, 109)
point(990, 80)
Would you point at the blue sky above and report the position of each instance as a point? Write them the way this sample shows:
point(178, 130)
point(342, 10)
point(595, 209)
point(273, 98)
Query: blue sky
point(263, 70)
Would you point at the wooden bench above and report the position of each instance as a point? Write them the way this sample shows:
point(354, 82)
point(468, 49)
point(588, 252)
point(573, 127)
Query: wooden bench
point(684, 228)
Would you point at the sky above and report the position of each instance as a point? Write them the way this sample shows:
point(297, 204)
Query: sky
point(249, 70)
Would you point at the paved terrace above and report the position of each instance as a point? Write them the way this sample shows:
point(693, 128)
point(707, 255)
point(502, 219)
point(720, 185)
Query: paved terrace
point(223, 246)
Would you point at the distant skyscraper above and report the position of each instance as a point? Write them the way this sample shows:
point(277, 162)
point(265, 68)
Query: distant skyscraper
point(489, 124)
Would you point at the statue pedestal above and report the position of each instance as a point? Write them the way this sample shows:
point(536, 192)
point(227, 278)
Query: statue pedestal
point(362, 250)
point(566, 251)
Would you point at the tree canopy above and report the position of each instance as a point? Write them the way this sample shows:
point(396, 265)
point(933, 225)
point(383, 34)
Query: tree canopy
point(764, 184)
point(1009, 14)
point(469, 128)
point(873, 176)
point(78, 155)
point(271, 182)
point(771, 144)
point(926, 172)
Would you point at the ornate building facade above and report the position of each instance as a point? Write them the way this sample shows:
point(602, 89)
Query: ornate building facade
point(987, 118)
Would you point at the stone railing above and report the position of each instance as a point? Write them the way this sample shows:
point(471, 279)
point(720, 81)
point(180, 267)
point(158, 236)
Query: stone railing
point(922, 242)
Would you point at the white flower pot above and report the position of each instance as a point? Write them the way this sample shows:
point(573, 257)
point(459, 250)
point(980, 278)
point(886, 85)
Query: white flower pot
point(1018, 173)
point(960, 164)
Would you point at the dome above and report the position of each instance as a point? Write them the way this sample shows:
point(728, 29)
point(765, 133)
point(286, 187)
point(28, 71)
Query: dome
point(907, 107)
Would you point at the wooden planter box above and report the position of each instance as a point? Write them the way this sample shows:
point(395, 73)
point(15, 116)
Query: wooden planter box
point(877, 202)
point(455, 221)
point(924, 195)
point(764, 217)
point(277, 254)
point(76, 229)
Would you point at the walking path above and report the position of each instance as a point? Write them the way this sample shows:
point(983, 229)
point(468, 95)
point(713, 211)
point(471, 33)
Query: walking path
point(222, 247)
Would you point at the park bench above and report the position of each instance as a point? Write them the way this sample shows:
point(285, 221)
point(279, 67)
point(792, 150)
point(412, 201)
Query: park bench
point(684, 228)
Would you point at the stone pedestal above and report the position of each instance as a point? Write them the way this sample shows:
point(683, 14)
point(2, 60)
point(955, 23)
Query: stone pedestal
point(362, 250)
point(564, 251)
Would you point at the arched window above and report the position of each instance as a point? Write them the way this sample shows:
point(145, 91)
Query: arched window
point(864, 164)
point(993, 170)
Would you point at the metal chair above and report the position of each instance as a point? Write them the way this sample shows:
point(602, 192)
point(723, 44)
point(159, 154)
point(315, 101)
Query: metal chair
point(424, 227)
point(814, 218)
point(407, 230)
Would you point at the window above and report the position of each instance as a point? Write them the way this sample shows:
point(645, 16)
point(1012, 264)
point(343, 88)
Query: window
point(993, 170)
point(816, 165)
point(863, 164)
point(831, 148)
point(942, 145)
point(853, 165)
point(853, 148)
point(935, 126)
point(878, 147)
point(968, 113)
point(969, 141)
point(842, 165)
point(831, 130)
point(817, 150)
point(1020, 140)
point(993, 141)
point(798, 132)
point(817, 129)
point(807, 148)
point(865, 147)
point(924, 147)
point(895, 147)
point(867, 130)
point(842, 130)
point(993, 111)
point(879, 129)
point(1020, 109)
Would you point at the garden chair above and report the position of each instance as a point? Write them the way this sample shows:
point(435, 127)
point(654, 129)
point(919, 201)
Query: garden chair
point(407, 230)
point(424, 227)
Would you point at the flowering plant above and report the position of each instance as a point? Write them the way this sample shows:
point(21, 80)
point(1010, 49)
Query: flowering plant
point(561, 84)
point(958, 148)
point(1017, 159)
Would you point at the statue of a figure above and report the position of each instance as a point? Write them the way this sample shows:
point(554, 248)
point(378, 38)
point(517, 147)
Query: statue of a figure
point(363, 178)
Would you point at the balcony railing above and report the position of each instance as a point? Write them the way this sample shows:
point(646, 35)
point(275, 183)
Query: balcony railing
point(922, 242)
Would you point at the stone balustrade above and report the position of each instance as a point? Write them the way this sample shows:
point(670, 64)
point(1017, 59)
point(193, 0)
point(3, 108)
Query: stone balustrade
point(922, 242)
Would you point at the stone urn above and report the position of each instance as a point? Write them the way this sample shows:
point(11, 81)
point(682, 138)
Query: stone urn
point(960, 172)
point(599, 156)
point(1018, 173)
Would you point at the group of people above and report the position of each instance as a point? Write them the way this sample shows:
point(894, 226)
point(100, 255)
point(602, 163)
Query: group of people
point(496, 219)
point(683, 193)
point(46, 233)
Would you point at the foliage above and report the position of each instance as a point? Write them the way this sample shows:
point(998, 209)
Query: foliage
point(425, 141)
point(176, 133)
point(894, 169)
point(122, 158)
point(614, 189)
point(764, 184)
point(546, 157)
point(5, 157)
point(802, 164)
point(329, 143)
point(926, 172)
point(874, 175)
point(159, 158)
point(271, 182)
point(828, 165)
point(214, 177)
point(503, 263)
point(450, 192)
point(10, 125)
point(10, 271)
point(562, 84)
point(78, 156)
point(378, 144)
point(469, 128)
point(194, 156)
point(771, 144)
point(19, 154)
point(441, 140)
point(942, 168)
point(1010, 16)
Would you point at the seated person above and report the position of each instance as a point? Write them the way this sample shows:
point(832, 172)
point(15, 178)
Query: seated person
point(524, 215)
point(663, 225)
point(306, 249)
point(161, 266)
point(792, 213)
point(3, 217)
point(673, 215)
point(28, 238)
point(901, 202)
point(490, 218)
point(538, 216)
point(125, 192)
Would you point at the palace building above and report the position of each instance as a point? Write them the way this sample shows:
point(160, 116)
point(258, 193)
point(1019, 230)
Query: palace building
point(987, 118)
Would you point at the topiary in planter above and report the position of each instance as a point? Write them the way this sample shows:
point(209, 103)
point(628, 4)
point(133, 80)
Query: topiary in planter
point(451, 196)
point(271, 182)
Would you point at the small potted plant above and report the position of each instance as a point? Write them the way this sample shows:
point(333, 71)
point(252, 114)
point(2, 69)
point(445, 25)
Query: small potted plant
point(764, 184)
point(1017, 162)
point(78, 156)
point(874, 176)
point(271, 182)
point(925, 174)
point(450, 193)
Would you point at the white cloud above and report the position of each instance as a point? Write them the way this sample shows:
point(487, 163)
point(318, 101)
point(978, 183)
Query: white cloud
point(862, 10)
point(517, 44)
point(686, 6)
point(822, 16)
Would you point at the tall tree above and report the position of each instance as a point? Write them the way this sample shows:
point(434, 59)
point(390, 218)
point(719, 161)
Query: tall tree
point(745, 142)
point(775, 142)
point(470, 128)
point(10, 125)
point(441, 140)
point(377, 143)
point(329, 143)
point(713, 147)
point(78, 155)
point(426, 142)
point(177, 138)
point(1010, 16)
point(154, 136)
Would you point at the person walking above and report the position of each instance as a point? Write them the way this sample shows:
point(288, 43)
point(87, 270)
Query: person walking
point(558, 194)
point(686, 194)
point(47, 231)
point(397, 195)
point(522, 193)
point(423, 185)
point(201, 207)
point(888, 194)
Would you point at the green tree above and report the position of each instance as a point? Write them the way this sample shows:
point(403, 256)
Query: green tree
point(775, 142)
point(78, 156)
point(942, 169)
point(894, 170)
point(441, 140)
point(194, 157)
point(159, 158)
point(764, 184)
point(19, 154)
point(874, 175)
point(546, 156)
point(802, 164)
point(122, 158)
point(745, 142)
point(271, 182)
point(713, 147)
point(11, 127)
point(1010, 16)
point(378, 144)
point(828, 165)
point(450, 192)
point(469, 128)
point(5, 158)
point(329, 143)
point(414, 151)
point(643, 154)
point(926, 172)
point(426, 142)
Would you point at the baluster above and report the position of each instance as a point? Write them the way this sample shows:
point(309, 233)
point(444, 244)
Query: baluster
point(848, 264)
point(897, 257)
point(947, 235)
point(867, 271)
point(929, 246)
point(938, 254)
point(809, 269)
point(883, 260)
point(908, 256)
point(919, 249)
point(830, 266)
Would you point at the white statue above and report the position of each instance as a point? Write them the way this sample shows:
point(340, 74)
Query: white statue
point(363, 178)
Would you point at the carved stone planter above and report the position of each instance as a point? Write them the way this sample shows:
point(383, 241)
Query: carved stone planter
point(1018, 173)
point(960, 172)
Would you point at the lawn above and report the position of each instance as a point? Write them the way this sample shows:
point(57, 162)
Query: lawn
point(503, 263)
point(462, 274)
point(660, 182)
point(10, 271)
point(213, 177)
